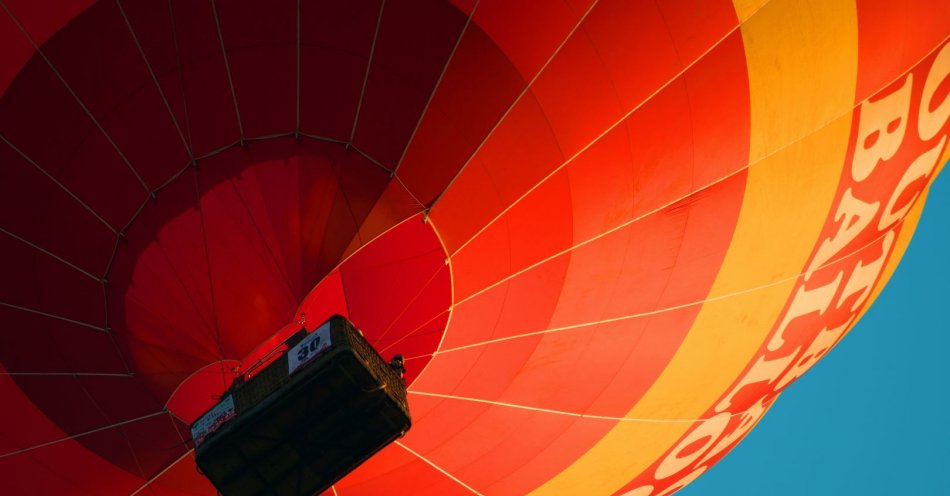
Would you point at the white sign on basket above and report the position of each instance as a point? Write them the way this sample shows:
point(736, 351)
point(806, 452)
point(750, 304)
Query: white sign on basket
point(213, 419)
point(310, 347)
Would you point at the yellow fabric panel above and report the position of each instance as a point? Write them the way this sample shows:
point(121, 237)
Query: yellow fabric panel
point(747, 8)
point(802, 59)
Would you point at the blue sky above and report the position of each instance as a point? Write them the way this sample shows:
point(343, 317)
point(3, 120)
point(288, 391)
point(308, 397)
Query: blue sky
point(873, 417)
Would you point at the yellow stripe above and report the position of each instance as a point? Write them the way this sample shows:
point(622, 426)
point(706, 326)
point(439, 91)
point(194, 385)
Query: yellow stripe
point(746, 8)
point(802, 61)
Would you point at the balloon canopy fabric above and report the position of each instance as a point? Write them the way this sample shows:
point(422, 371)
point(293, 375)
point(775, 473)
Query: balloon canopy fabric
point(605, 234)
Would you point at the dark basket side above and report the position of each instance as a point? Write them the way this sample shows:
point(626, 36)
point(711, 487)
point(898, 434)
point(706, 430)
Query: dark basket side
point(343, 333)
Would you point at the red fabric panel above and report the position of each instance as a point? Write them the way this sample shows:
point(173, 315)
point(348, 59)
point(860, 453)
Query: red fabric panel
point(37, 281)
point(202, 389)
point(40, 22)
point(36, 343)
point(665, 259)
point(396, 290)
point(394, 205)
point(45, 122)
point(59, 224)
point(894, 36)
point(326, 299)
point(336, 38)
point(128, 94)
point(528, 32)
point(417, 263)
point(17, 51)
point(181, 479)
point(283, 222)
point(192, 79)
point(156, 442)
point(393, 464)
point(415, 40)
point(261, 50)
point(66, 468)
point(696, 26)
point(455, 122)
point(200, 85)
point(717, 90)
point(491, 182)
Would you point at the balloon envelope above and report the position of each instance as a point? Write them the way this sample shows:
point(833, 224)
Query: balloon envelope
point(604, 234)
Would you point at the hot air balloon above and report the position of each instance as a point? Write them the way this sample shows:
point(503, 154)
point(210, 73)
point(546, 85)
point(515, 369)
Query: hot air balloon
point(604, 234)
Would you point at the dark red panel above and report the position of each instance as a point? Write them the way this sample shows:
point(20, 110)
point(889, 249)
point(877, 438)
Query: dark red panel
point(893, 36)
point(112, 80)
point(478, 86)
point(336, 38)
point(415, 40)
point(45, 122)
point(261, 49)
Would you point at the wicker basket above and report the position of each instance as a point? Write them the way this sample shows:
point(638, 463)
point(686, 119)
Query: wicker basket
point(298, 432)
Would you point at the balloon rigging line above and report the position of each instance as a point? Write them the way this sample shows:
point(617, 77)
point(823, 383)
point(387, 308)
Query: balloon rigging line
point(66, 374)
point(58, 183)
point(51, 255)
point(772, 153)
point(227, 68)
point(421, 205)
point(597, 138)
point(409, 304)
point(204, 244)
point(189, 376)
point(633, 220)
point(171, 420)
point(357, 224)
point(106, 319)
point(178, 174)
point(162, 472)
point(371, 159)
point(333, 488)
point(369, 63)
point(195, 306)
point(514, 103)
point(135, 215)
point(438, 82)
point(360, 248)
point(158, 86)
point(280, 269)
point(590, 240)
point(121, 432)
point(486, 401)
point(440, 469)
point(565, 413)
point(448, 319)
point(622, 318)
point(181, 79)
point(119, 237)
point(52, 316)
point(351, 255)
point(82, 434)
point(266, 137)
point(79, 101)
point(327, 139)
point(297, 87)
point(412, 333)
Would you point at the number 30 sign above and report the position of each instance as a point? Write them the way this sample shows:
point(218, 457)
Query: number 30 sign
point(309, 347)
